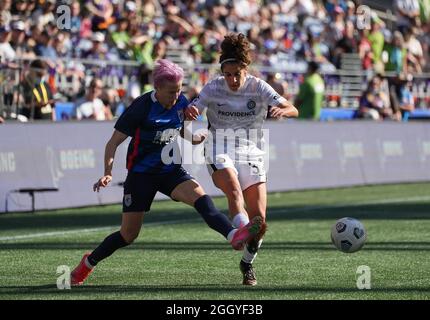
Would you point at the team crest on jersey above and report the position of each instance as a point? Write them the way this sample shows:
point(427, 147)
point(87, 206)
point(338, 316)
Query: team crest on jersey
point(251, 104)
point(181, 115)
point(127, 200)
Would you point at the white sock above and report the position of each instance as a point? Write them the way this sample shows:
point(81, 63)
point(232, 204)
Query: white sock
point(249, 257)
point(88, 264)
point(231, 235)
point(240, 220)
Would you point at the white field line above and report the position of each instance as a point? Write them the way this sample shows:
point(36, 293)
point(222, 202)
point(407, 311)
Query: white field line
point(302, 209)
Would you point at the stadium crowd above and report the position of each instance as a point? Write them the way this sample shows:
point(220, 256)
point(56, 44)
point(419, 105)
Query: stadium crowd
point(285, 34)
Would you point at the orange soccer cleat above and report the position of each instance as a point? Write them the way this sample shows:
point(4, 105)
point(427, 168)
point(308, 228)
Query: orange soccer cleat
point(81, 272)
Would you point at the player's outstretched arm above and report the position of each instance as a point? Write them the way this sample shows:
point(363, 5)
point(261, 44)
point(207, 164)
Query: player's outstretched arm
point(284, 110)
point(111, 146)
point(191, 112)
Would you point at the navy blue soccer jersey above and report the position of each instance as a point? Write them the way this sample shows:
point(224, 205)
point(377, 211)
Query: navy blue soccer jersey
point(154, 130)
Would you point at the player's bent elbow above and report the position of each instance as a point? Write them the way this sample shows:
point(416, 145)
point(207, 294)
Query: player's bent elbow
point(294, 113)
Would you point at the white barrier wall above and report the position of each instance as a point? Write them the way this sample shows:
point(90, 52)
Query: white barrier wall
point(69, 156)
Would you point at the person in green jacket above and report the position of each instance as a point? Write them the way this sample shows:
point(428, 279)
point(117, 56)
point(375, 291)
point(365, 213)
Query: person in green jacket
point(311, 94)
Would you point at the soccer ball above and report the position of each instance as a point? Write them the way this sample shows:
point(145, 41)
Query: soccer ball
point(348, 235)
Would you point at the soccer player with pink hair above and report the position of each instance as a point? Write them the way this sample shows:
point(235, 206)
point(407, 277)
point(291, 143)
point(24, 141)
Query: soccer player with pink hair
point(154, 120)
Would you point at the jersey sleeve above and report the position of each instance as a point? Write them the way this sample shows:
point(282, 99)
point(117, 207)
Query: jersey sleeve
point(203, 99)
point(130, 119)
point(269, 95)
point(182, 104)
point(183, 101)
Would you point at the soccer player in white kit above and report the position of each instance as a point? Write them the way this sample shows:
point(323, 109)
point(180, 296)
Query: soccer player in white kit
point(237, 104)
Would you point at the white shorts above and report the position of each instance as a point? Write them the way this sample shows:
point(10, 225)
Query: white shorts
point(249, 171)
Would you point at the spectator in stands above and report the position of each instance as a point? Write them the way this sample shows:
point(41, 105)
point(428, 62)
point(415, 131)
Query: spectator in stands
point(407, 13)
point(18, 40)
point(112, 101)
point(44, 15)
point(98, 50)
point(160, 50)
point(394, 54)
point(62, 45)
point(85, 31)
point(121, 38)
point(377, 40)
point(7, 53)
point(32, 37)
point(140, 43)
point(347, 44)
point(365, 50)
point(338, 25)
point(204, 51)
point(350, 13)
point(44, 47)
point(117, 9)
point(76, 19)
point(401, 97)
point(91, 106)
point(314, 49)
point(102, 14)
point(139, 84)
point(5, 15)
point(24, 9)
point(415, 56)
point(19, 10)
point(280, 86)
point(152, 9)
point(276, 82)
point(37, 94)
point(198, 27)
point(375, 103)
point(310, 98)
point(130, 10)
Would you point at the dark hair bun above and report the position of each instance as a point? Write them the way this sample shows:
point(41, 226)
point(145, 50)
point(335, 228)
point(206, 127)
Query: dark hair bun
point(237, 47)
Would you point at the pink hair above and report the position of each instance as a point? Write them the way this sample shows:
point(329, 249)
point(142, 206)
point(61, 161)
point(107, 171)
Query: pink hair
point(166, 70)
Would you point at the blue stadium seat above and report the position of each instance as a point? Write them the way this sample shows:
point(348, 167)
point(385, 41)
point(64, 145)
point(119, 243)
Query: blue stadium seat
point(420, 114)
point(328, 114)
point(64, 110)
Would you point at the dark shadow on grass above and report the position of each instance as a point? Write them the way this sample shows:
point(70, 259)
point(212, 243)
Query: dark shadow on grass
point(88, 219)
point(204, 288)
point(84, 219)
point(209, 245)
point(391, 211)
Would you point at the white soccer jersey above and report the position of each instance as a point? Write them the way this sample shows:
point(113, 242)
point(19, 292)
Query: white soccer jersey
point(240, 110)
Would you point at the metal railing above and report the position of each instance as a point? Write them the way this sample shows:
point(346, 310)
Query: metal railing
point(76, 74)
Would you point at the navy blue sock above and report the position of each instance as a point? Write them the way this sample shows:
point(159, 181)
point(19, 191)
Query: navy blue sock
point(212, 216)
point(109, 245)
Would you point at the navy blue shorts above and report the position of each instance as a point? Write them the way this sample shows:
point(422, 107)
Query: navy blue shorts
point(140, 188)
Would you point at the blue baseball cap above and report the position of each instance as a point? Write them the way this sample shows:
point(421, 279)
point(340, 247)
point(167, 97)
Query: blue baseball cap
point(4, 28)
